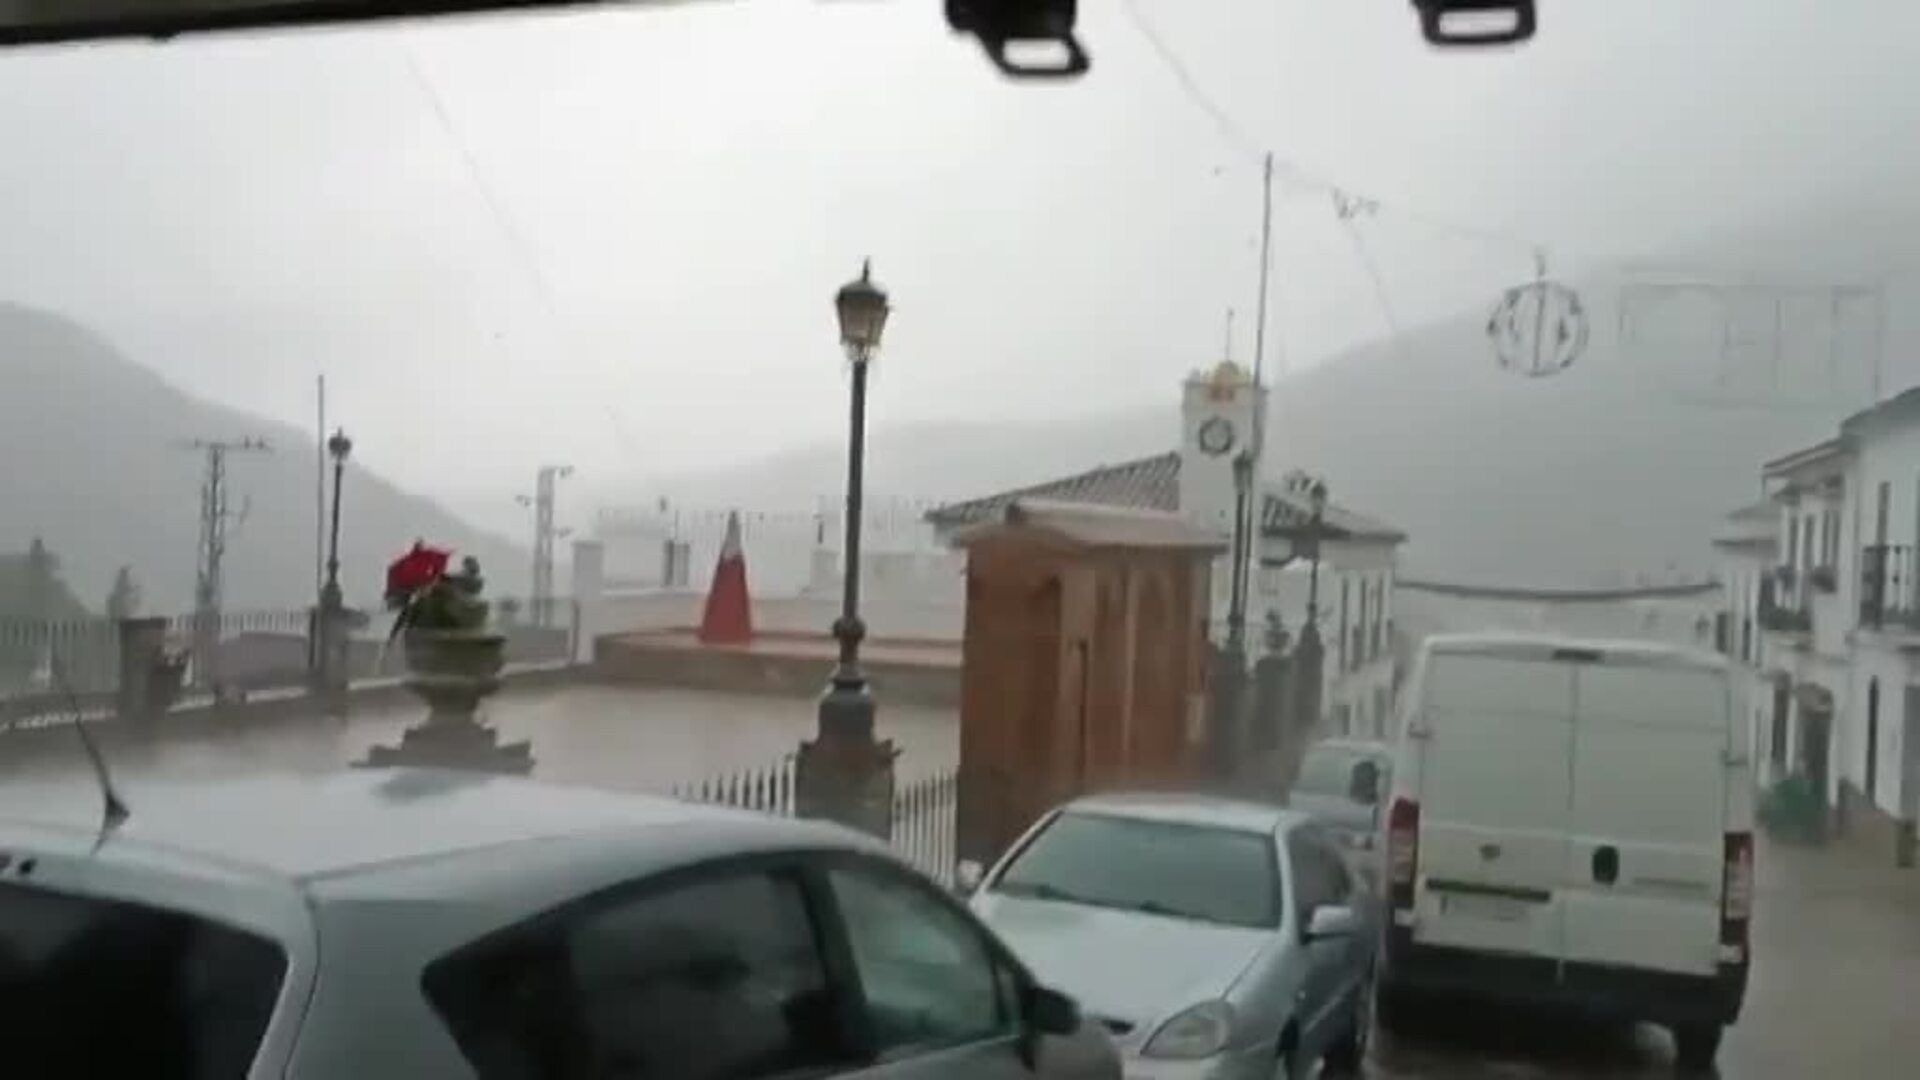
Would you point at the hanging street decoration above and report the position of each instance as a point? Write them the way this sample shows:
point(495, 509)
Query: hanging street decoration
point(1540, 328)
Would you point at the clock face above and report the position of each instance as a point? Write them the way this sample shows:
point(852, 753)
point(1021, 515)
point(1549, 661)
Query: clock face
point(1216, 436)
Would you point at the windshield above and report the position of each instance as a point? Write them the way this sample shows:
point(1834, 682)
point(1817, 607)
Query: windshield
point(179, 996)
point(1204, 873)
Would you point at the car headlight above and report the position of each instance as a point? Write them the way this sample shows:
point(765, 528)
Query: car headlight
point(1197, 1032)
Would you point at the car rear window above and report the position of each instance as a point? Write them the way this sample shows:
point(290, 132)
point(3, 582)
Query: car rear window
point(1328, 771)
point(1207, 873)
point(97, 987)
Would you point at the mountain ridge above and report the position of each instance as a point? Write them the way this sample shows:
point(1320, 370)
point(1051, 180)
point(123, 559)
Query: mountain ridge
point(112, 441)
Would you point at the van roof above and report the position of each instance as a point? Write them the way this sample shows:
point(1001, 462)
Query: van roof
point(1626, 651)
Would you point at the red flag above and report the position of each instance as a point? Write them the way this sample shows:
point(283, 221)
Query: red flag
point(728, 618)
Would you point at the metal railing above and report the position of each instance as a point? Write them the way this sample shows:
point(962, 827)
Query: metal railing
point(923, 809)
point(1888, 596)
point(49, 664)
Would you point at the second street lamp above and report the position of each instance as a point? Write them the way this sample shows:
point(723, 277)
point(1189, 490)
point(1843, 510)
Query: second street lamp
point(846, 709)
point(333, 615)
point(844, 773)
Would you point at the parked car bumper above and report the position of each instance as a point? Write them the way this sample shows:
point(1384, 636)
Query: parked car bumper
point(1598, 989)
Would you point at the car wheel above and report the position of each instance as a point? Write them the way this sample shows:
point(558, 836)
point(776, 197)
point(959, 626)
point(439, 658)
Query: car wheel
point(1695, 1047)
point(1287, 1064)
point(1349, 1055)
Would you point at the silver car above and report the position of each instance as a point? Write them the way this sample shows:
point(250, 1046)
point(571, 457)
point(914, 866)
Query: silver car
point(427, 924)
point(1217, 939)
point(1342, 784)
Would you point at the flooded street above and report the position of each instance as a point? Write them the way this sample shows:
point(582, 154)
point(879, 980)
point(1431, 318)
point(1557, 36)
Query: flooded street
point(627, 738)
point(1835, 977)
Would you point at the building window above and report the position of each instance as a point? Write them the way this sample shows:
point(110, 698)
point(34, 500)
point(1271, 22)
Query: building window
point(1793, 540)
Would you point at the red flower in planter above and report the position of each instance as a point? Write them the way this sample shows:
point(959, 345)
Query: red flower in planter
point(414, 572)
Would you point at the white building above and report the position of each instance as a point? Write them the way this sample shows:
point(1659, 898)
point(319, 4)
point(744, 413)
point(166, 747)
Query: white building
point(1842, 611)
point(1748, 544)
point(1357, 554)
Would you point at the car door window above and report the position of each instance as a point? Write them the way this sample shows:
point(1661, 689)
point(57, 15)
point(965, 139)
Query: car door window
point(720, 976)
point(1336, 871)
point(926, 971)
point(1316, 883)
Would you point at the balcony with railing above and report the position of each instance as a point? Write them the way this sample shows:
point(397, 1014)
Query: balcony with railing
point(1782, 607)
point(1890, 588)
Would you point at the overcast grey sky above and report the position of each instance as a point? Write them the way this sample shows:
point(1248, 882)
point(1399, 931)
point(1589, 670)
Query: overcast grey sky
point(636, 277)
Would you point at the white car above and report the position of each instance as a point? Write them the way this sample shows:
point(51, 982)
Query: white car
point(1218, 939)
point(1572, 823)
point(427, 924)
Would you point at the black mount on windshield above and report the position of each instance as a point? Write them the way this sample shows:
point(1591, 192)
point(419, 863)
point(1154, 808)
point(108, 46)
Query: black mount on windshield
point(1469, 24)
point(1044, 27)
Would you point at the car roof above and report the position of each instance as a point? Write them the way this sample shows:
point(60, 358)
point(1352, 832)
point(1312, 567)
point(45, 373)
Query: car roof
point(362, 821)
point(1190, 808)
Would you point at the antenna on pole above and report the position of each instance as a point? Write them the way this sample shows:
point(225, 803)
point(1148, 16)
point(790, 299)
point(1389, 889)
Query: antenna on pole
point(209, 582)
point(546, 485)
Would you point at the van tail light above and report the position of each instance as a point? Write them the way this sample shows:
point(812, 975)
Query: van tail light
point(1736, 898)
point(1403, 851)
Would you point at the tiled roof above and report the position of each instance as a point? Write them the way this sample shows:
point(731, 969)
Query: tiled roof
point(1285, 514)
point(1153, 483)
point(1098, 526)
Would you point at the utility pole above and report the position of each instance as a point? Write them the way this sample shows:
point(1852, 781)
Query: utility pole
point(215, 513)
point(546, 483)
point(1232, 730)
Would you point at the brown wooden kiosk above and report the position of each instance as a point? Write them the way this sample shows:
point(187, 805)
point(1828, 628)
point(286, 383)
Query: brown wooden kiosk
point(1084, 661)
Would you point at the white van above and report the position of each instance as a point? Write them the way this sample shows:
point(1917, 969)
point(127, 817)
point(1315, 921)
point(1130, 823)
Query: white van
point(1571, 823)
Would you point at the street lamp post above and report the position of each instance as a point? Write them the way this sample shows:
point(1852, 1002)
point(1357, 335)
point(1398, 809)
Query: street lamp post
point(333, 637)
point(843, 773)
point(1310, 652)
point(1230, 673)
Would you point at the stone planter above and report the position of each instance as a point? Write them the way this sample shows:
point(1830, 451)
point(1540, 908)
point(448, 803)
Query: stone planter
point(453, 672)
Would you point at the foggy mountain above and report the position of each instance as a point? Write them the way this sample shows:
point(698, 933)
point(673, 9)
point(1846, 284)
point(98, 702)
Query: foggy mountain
point(1615, 469)
point(100, 467)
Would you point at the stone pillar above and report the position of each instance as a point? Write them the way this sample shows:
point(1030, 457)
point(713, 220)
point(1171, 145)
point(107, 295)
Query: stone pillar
point(1269, 727)
point(143, 691)
point(847, 780)
point(1309, 668)
point(453, 672)
point(1226, 731)
point(589, 597)
point(330, 632)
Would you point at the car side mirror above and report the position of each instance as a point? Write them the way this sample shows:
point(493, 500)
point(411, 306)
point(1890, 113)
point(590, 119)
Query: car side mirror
point(1330, 921)
point(967, 877)
point(1051, 1012)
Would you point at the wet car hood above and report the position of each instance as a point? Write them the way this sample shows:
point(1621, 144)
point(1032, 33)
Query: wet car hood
point(1123, 965)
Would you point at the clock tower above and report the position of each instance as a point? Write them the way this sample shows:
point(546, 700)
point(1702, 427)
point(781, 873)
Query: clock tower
point(1217, 412)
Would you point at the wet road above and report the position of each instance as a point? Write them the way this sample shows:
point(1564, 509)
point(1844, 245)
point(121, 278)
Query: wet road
point(1834, 992)
point(628, 738)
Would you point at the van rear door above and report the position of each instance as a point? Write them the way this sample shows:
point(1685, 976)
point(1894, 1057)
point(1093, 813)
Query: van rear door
point(1493, 739)
point(1652, 755)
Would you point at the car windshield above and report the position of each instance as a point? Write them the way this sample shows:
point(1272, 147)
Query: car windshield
point(175, 995)
point(1205, 873)
point(1327, 772)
